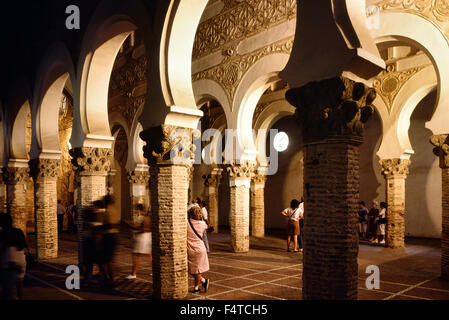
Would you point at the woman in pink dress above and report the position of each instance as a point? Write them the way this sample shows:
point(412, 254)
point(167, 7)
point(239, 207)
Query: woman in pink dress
point(198, 262)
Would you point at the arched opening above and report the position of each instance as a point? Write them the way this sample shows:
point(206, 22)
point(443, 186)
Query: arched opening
point(423, 214)
point(287, 183)
point(118, 180)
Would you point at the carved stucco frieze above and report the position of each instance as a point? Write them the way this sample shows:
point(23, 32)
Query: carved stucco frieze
point(239, 20)
point(91, 161)
point(45, 168)
point(437, 10)
point(15, 175)
point(333, 108)
point(230, 72)
point(441, 150)
point(168, 144)
point(395, 167)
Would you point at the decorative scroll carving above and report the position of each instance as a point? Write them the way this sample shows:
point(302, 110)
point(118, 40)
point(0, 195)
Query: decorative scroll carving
point(239, 20)
point(333, 108)
point(138, 177)
point(168, 144)
point(88, 160)
point(230, 72)
point(435, 9)
point(389, 82)
point(245, 169)
point(394, 167)
point(15, 175)
point(45, 168)
point(441, 150)
point(126, 78)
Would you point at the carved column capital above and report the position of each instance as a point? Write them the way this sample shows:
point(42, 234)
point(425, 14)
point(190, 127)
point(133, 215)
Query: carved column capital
point(138, 177)
point(395, 167)
point(245, 169)
point(441, 150)
point(44, 168)
point(259, 179)
point(167, 144)
point(213, 179)
point(332, 109)
point(15, 175)
point(91, 161)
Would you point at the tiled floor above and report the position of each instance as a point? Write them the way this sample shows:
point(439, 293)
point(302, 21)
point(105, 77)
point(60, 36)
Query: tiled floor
point(267, 272)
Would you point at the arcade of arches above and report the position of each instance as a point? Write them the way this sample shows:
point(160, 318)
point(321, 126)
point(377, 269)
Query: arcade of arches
point(364, 109)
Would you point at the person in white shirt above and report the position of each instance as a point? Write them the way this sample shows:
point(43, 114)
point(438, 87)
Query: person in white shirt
point(293, 214)
point(301, 223)
point(195, 203)
point(382, 222)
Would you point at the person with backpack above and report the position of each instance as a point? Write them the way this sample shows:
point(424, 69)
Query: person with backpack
point(293, 214)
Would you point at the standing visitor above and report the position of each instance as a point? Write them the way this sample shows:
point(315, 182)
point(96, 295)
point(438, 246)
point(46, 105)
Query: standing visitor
point(71, 212)
point(373, 216)
point(195, 203)
point(382, 222)
point(60, 212)
point(198, 261)
point(142, 239)
point(205, 219)
point(301, 224)
point(363, 213)
point(293, 230)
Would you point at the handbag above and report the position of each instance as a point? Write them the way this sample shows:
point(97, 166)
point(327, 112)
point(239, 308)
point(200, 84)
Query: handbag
point(190, 222)
point(211, 229)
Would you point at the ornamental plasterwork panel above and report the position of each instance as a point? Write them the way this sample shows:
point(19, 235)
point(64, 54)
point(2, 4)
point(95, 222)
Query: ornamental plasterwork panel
point(124, 81)
point(436, 11)
point(389, 82)
point(230, 72)
point(239, 20)
point(126, 78)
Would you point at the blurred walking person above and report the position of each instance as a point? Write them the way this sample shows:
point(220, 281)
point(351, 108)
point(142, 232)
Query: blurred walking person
point(12, 259)
point(108, 242)
point(142, 239)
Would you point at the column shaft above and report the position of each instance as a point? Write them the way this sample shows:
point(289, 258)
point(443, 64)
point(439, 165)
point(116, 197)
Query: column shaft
point(441, 150)
point(330, 221)
point(45, 173)
point(16, 179)
point(395, 172)
point(331, 113)
point(240, 183)
point(169, 185)
point(445, 225)
point(169, 189)
point(258, 206)
point(92, 166)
